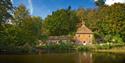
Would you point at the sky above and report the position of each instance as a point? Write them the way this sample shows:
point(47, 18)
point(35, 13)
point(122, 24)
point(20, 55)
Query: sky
point(43, 8)
point(110, 2)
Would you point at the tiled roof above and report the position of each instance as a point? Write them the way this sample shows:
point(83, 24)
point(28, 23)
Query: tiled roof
point(83, 30)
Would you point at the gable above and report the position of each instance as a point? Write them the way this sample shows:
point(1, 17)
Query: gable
point(84, 30)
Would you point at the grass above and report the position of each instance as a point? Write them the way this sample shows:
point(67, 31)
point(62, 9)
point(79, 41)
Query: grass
point(114, 50)
point(105, 47)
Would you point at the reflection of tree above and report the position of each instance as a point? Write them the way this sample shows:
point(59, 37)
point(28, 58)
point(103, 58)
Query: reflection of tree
point(85, 57)
point(100, 58)
point(108, 58)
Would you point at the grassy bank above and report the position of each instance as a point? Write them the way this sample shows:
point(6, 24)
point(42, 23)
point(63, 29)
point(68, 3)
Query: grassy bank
point(114, 50)
point(111, 50)
point(105, 47)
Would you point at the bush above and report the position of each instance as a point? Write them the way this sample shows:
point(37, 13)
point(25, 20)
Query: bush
point(50, 46)
point(66, 45)
point(109, 45)
point(103, 46)
point(60, 46)
point(117, 45)
point(84, 48)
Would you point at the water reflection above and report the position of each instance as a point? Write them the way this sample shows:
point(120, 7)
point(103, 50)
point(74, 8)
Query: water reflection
point(72, 57)
point(84, 57)
point(108, 58)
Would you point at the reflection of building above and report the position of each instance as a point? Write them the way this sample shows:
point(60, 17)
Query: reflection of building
point(84, 35)
point(85, 58)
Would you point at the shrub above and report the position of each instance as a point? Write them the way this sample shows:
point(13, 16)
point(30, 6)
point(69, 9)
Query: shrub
point(60, 46)
point(109, 45)
point(103, 46)
point(66, 45)
point(84, 48)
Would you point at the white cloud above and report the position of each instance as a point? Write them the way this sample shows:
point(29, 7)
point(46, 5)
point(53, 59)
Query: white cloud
point(11, 1)
point(31, 6)
point(110, 2)
point(95, 0)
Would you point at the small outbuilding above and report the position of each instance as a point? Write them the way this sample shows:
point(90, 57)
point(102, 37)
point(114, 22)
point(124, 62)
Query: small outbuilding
point(84, 35)
point(57, 39)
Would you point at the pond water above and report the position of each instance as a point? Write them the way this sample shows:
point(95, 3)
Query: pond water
point(70, 57)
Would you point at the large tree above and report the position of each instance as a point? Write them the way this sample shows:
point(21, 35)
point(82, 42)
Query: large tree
point(61, 22)
point(107, 22)
point(31, 25)
point(5, 15)
point(23, 34)
point(5, 10)
point(113, 20)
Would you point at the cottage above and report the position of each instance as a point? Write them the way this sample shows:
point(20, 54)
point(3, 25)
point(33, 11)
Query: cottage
point(84, 35)
point(57, 39)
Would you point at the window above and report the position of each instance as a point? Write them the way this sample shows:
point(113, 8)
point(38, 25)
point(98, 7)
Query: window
point(78, 35)
point(89, 35)
point(84, 41)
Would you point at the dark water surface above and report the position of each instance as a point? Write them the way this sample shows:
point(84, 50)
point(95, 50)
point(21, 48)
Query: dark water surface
point(72, 57)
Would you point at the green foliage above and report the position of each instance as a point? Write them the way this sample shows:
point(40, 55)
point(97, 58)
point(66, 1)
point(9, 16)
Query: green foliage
point(107, 38)
point(117, 39)
point(61, 22)
point(23, 34)
point(112, 20)
point(107, 22)
point(5, 6)
point(5, 10)
point(43, 37)
point(113, 38)
point(100, 2)
point(109, 45)
point(13, 38)
point(60, 46)
point(84, 48)
point(104, 46)
point(66, 45)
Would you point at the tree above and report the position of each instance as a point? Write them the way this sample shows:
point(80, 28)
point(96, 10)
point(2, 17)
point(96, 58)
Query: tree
point(100, 2)
point(5, 14)
point(107, 22)
point(81, 14)
point(61, 22)
point(113, 19)
point(20, 14)
point(30, 26)
point(5, 10)
point(23, 34)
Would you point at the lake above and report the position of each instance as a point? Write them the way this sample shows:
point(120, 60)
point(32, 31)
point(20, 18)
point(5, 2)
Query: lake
point(65, 57)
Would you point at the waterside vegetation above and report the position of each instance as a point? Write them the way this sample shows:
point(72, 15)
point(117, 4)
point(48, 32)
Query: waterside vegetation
point(21, 32)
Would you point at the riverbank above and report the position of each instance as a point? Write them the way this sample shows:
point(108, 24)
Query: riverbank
point(105, 47)
point(67, 46)
point(116, 48)
point(113, 50)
